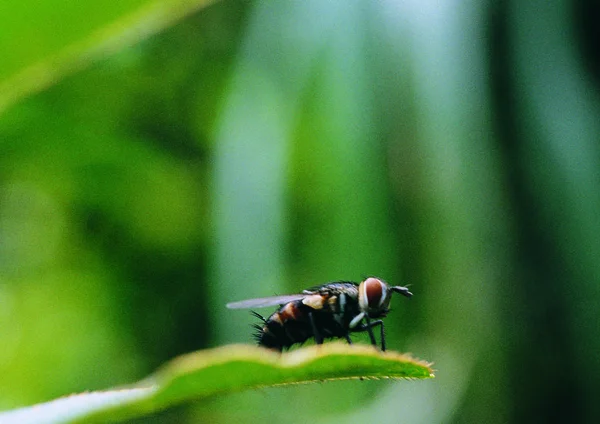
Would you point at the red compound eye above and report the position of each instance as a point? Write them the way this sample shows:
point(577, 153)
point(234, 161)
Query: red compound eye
point(374, 291)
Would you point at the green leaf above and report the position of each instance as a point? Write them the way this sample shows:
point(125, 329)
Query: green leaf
point(42, 42)
point(220, 371)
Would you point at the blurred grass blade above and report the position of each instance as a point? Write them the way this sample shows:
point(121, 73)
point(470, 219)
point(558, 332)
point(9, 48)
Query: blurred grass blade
point(36, 55)
point(220, 371)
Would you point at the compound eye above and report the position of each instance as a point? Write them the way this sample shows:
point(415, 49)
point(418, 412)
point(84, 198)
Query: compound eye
point(374, 292)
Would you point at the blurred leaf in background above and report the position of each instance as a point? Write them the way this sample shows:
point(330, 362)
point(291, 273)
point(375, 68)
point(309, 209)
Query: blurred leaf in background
point(103, 217)
point(256, 148)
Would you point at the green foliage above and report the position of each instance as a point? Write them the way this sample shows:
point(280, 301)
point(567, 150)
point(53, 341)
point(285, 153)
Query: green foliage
point(67, 36)
point(221, 371)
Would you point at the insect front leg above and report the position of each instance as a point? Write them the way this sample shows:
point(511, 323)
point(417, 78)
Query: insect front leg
point(369, 328)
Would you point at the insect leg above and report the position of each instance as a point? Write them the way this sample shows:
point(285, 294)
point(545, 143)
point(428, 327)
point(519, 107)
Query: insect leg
point(316, 333)
point(382, 336)
point(348, 339)
point(369, 328)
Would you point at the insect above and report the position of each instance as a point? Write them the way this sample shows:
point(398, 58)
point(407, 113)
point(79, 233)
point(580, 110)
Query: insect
point(330, 310)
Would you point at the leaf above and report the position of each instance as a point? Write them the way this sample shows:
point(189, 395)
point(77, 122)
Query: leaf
point(220, 371)
point(42, 42)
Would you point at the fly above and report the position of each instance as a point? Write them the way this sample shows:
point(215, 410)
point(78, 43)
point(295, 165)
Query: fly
point(332, 310)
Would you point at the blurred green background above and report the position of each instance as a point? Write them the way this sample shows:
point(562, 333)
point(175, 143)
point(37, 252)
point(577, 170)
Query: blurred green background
point(256, 147)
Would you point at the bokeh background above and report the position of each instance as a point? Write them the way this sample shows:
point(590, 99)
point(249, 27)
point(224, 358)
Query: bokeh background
point(258, 147)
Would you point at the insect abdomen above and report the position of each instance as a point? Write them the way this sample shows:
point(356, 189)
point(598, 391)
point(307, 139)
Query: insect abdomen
point(288, 325)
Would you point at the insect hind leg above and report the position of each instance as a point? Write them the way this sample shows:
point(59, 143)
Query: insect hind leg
point(317, 335)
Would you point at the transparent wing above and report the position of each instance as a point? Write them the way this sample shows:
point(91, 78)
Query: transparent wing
point(263, 302)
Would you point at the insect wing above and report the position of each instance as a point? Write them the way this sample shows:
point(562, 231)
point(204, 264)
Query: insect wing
point(264, 302)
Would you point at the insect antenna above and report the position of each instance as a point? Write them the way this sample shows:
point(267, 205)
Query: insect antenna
point(402, 290)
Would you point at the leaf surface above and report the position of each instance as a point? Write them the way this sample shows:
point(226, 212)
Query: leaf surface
point(220, 371)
